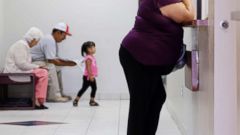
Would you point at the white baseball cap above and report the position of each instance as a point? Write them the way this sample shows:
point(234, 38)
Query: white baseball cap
point(63, 27)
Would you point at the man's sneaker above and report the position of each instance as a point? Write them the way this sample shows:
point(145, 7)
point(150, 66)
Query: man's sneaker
point(58, 99)
point(66, 96)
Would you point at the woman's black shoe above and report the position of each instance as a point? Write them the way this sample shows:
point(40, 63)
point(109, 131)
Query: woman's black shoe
point(75, 103)
point(44, 107)
point(38, 107)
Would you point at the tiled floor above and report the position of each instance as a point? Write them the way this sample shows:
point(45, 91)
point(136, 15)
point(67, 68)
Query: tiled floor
point(108, 119)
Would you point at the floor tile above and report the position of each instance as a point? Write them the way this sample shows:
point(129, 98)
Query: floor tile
point(110, 118)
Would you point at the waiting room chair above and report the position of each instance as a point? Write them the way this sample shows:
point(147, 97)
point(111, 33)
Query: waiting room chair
point(17, 91)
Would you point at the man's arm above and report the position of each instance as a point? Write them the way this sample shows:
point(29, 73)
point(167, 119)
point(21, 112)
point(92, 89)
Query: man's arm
point(60, 62)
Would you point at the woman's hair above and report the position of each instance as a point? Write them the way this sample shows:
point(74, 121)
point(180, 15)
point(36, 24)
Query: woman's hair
point(87, 45)
point(33, 33)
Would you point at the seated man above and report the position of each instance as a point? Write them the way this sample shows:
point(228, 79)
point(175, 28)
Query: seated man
point(46, 54)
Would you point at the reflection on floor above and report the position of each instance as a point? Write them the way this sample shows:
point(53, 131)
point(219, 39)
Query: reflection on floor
point(108, 119)
point(31, 123)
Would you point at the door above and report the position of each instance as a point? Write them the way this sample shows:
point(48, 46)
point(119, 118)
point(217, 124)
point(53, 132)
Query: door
point(226, 73)
point(235, 16)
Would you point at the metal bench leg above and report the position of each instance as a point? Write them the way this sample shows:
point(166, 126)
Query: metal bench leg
point(5, 93)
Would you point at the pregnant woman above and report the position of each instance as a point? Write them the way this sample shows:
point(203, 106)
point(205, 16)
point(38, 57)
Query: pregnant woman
point(150, 50)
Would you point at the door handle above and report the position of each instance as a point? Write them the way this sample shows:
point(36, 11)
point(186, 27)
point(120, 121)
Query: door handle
point(224, 24)
point(235, 15)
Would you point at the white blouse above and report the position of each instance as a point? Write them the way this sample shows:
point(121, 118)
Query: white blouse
point(18, 59)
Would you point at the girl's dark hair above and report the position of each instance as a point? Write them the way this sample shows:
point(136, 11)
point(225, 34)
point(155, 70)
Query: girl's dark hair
point(87, 45)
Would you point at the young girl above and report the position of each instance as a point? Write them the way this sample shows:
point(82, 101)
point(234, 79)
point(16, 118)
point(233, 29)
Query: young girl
point(90, 73)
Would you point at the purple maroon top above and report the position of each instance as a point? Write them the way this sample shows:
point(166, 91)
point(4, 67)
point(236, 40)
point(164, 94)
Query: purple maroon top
point(154, 39)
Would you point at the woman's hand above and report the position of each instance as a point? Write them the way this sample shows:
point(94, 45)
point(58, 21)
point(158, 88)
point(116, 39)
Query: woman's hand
point(44, 67)
point(181, 12)
point(188, 4)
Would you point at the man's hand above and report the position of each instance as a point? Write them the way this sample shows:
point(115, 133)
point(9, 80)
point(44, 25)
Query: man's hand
point(70, 63)
point(60, 62)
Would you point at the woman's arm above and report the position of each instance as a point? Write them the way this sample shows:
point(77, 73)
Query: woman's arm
point(89, 69)
point(21, 59)
point(181, 12)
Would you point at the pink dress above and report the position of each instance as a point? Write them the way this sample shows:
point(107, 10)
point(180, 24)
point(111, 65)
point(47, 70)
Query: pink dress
point(93, 66)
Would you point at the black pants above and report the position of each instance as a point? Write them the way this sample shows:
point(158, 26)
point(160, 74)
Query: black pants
point(147, 94)
point(86, 84)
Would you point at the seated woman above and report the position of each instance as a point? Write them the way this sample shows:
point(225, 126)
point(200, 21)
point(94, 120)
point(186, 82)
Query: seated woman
point(19, 60)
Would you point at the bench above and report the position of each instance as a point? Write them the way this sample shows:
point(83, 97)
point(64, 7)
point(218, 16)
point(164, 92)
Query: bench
point(17, 91)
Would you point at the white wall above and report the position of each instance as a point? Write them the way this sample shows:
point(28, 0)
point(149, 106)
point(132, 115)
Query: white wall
point(193, 111)
point(205, 8)
point(2, 46)
point(105, 22)
point(238, 70)
point(225, 70)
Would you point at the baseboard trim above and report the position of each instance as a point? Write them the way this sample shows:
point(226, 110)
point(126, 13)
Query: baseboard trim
point(105, 96)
